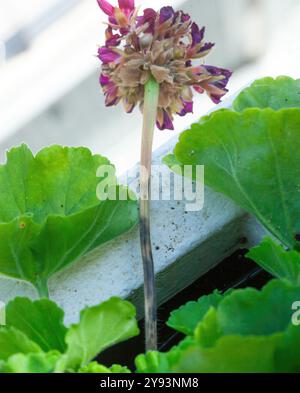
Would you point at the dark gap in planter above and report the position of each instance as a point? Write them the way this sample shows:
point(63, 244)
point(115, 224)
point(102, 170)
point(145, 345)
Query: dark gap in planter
point(236, 271)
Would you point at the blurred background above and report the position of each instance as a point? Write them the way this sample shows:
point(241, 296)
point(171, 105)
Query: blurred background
point(49, 91)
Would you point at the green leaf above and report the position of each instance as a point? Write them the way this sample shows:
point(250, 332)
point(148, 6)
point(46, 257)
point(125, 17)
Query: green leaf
point(208, 330)
point(238, 312)
point(174, 165)
point(287, 355)
point(40, 320)
point(32, 363)
point(252, 312)
point(96, 368)
point(282, 92)
point(50, 215)
point(187, 317)
point(152, 362)
point(231, 354)
point(245, 159)
point(100, 327)
point(160, 362)
point(36, 326)
point(117, 369)
point(13, 341)
point(276, 260)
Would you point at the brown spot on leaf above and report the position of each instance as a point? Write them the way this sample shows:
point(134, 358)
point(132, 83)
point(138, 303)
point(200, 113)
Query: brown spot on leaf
point(22, 225)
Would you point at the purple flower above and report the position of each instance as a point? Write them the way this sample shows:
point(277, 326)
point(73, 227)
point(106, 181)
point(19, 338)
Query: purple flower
point(157, 44)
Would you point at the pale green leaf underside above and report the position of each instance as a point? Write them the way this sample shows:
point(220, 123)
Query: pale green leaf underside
point(253, 158)
point(100, 327)
point(280, 263)
point(49, 212)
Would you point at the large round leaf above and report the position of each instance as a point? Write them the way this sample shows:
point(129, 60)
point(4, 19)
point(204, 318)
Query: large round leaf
point(279, 93)
point(253, 158)
point(50, 215)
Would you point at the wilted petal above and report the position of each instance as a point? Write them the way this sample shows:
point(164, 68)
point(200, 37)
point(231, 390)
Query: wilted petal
point(206, 47)
point(185, 17)
point(107, 8)
point(227, 75)
point(112, 95)
point(199, 89)
point(121, 18)
point(149, 18)
point(214, 91)
point(128, 106)
point(217, 88)
point(161, 74)
point(187, 108)
point(111, 38)
point(130, 76)
point(107, 55)
point(197, 34)
point(126, 5)
point(213, 70)
point(166, 122)
point(104, 80)
point(187, 94)
point(165, 14)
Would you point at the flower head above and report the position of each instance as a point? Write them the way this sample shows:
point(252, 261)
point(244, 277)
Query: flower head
point(162, 45)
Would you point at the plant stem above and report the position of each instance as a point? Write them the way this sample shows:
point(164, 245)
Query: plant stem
point(42, 288)
point(149, 120)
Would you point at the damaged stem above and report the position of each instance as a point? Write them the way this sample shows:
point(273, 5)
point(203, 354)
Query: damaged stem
point(149, 120)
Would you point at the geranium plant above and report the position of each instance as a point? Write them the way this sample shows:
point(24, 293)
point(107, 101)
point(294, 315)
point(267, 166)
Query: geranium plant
point(243, 330)
point(250, 155)
point(51, 214)
point(148, 60)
